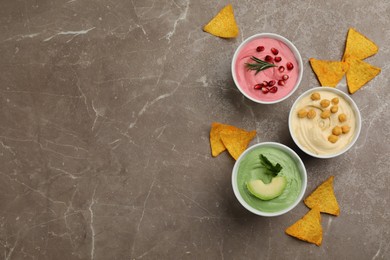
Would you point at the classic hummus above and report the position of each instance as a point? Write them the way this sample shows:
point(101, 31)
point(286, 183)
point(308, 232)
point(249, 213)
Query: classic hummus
point(320, 134)
point(250, 168)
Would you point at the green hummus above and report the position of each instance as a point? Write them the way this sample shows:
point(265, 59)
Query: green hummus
point(251, 168)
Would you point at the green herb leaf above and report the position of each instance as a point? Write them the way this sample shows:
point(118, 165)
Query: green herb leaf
point(259, 65)
point(274, 169)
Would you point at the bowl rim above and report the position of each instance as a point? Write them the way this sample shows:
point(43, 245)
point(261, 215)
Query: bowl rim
point(294, 156)
point(289, 44)
point(354, 108)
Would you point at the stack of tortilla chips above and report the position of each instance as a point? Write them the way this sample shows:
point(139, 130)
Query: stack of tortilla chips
point(323, 200)
point(358, 73)
point(229, 137)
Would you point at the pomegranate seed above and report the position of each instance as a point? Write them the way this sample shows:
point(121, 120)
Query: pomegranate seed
point(271, 83)
point(260, 48)
point(289, 66)
point(258, 86)
point(273, 89)
point(268, 58)
point(265, 83)
point(265, 90)
point(278, 59)
point(281, 68)
point(274, 51)
point(281, 82)
point(285, 77)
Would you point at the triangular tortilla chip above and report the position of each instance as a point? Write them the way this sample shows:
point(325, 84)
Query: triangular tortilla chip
point(236, 141)
point(329, 73)
point(359, 46)
point(359, 73)
point(224, 136)
point(223, 24)
point(323, 198)
point(217, 146)
point(308, 228)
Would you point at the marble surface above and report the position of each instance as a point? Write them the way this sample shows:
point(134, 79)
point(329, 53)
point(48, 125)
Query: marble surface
point(105, 113)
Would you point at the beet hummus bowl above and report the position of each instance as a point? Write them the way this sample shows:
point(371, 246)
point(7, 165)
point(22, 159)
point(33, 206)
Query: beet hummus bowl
point(267, 68)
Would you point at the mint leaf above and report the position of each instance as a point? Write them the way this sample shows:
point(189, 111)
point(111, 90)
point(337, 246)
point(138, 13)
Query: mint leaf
point(274, 169)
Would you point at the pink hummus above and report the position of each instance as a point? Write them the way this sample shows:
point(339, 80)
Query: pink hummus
point(247, 78)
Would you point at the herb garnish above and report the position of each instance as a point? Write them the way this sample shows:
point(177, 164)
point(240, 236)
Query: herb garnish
point(259, 65)
point(274, 169)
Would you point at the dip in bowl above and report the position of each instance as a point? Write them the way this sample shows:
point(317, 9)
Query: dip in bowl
point(272, 84)
point(324, 122)
point(249, 167)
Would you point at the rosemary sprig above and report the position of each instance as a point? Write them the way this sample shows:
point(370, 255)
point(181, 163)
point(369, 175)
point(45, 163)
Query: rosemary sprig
point(259, 65)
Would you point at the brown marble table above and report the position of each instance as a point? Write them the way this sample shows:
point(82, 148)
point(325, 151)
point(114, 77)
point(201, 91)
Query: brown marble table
point(105, 115)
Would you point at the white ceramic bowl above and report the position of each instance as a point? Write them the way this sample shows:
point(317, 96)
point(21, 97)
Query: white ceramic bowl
point(349, 100)
point(293, 155)
point(289, 44)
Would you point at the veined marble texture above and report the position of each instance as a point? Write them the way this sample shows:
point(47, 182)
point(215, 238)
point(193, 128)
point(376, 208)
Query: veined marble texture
point(105, 113)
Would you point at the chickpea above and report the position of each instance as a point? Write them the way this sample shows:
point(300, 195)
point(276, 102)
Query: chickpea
point(334, 109)
point(315, 96)
point(302, 113)
point(311, 114)
point(333, 138)
point(337, 130)
point(335, 101)
point(325, 114)
point(325, 103)
point(345, 129)
point(342, 117)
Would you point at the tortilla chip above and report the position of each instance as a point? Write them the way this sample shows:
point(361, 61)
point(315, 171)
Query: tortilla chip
point(236, 140)
point(308, 228)
point(359, 73)
point(224, 136)
point(329, 73)
point(223, 24)
point(217, 146)
point(359, 46)
point(323, 198)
